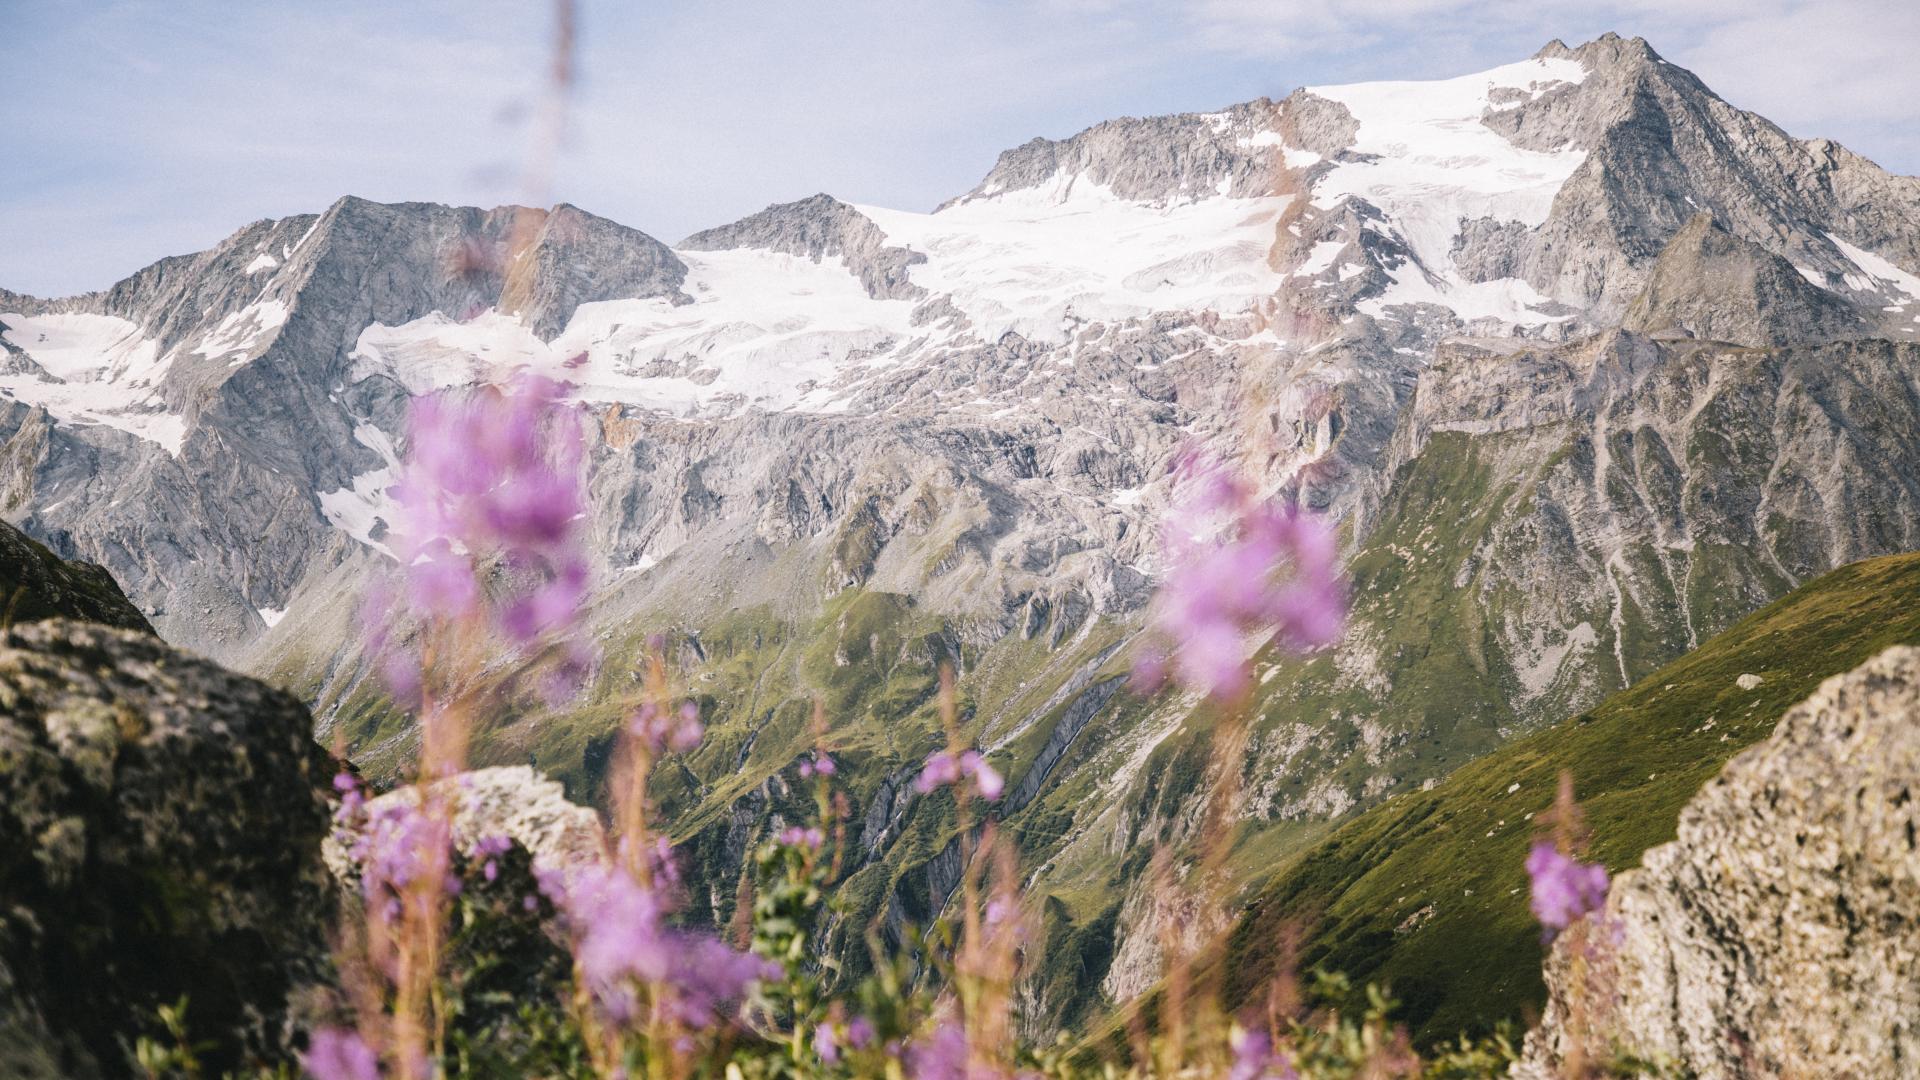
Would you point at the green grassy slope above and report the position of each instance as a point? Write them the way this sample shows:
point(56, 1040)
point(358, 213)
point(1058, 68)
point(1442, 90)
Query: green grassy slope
point(871, 660)
point(1426, 891)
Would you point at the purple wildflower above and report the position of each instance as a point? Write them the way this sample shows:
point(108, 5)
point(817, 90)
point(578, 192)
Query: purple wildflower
point(441, 585)
point(1254, 1057)
point(985, 778)
point(943, 768)
point(678, 731)
point(569, 675)
point(353, 798)
point(795, 836)
point(1000, 910)
point(1242, 571)
point(620, 939)
point(1563, 889)
point(493, 476)
point(1251, 1049)
point(860, 1033)
point(819, 765)
point(710, 974)
point(825, 1045)
point(401, 673)
point(339, 1054)
point(940, 1056)
point(400, 844)
point(550, 606)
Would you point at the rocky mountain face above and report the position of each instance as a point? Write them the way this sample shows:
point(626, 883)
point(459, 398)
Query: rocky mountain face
point(1586, 361)
point(1776, 935)
point(186, 426)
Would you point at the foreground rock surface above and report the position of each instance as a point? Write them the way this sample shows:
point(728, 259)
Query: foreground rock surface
point(1779, 933)
point(160, 827)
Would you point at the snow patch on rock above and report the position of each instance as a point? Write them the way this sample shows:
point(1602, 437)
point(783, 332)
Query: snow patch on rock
point(1039, 261)
point(765, 331)
point(98, 369)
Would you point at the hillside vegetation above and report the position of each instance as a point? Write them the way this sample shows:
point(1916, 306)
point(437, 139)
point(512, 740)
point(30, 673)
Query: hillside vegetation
point(1426, 892)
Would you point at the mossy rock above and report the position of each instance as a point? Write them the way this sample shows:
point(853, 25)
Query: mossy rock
point(36, 584)
point(160, 828)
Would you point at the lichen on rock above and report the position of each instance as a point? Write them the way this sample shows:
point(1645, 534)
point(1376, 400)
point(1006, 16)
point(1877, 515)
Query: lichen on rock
point(160, 826)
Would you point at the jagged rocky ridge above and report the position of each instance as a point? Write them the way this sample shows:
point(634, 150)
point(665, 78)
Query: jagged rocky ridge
point(1587, 361)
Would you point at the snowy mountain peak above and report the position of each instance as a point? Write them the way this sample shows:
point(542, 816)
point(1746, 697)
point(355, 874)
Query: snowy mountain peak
point(1332, 240)
point(817, 228)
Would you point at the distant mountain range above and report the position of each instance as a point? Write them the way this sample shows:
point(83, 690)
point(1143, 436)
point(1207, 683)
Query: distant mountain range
point(1587, 363)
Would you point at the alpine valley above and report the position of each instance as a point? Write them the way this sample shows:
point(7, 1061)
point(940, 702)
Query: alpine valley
point(1587, 364)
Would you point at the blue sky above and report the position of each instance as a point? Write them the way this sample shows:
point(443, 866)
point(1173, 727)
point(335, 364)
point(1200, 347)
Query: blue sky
point(142, 128)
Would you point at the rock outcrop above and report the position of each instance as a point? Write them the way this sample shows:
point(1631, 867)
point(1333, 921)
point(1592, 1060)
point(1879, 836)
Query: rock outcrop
point(1779, 933)
point(1710, 284)
point(160, 827)
point(37, 584)
point(817, 228)
point(513, 802)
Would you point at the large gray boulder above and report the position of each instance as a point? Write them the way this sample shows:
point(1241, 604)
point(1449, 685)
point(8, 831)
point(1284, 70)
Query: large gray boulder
point(160, 828)
point(510, 802)
point(1779, 933)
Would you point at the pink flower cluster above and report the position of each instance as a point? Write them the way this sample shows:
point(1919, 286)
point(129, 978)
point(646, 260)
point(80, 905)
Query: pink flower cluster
point(1563, 889)
point(678, 730)
point(352, 798)
point(399, 844)
point(339, 1054)
point(493, 475)
point(795, 836)
point(488, 850)
point(827, 1041)
point(1242, 571)
point(942, 1055)
point(621, 940)
point(944, 768)
point(1254, 1057)
point(947, 1053)
point(819, 765)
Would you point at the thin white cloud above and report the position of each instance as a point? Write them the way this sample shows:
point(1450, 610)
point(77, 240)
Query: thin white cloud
point(1823, 69)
